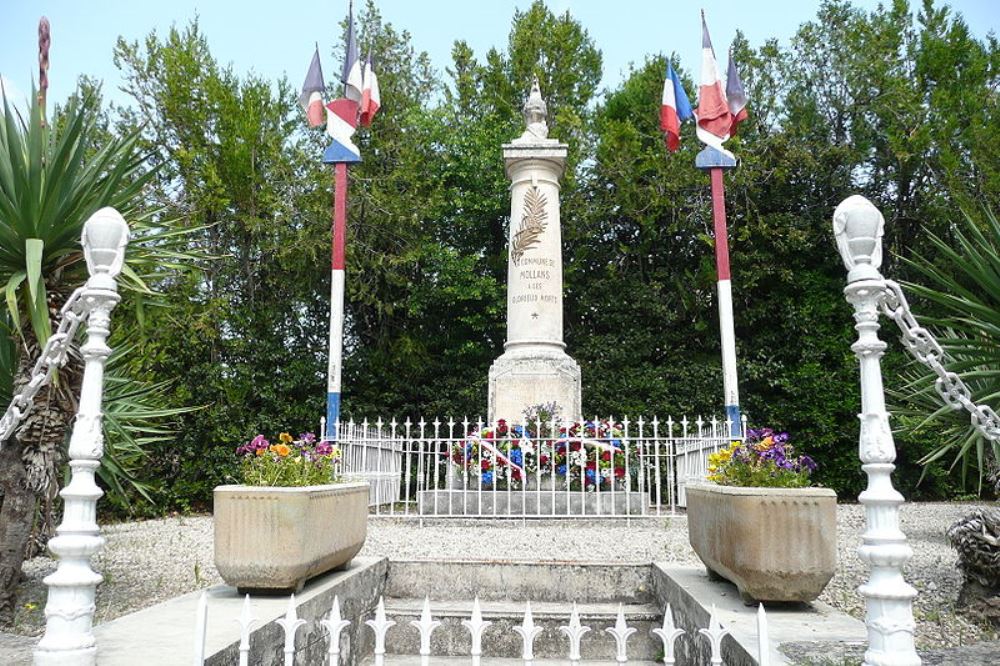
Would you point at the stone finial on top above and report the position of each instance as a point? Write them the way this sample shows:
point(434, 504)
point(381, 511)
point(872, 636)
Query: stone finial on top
point(534, 115)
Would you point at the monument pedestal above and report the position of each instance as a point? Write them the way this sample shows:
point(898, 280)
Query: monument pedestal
point(525, 378)
point(534, 368)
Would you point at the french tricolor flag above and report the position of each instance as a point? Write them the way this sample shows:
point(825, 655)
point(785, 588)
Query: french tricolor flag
point(341, 122)
point(371, 97)
point(675, 108)
point(715, 120)
point(311, 98)
point(735, 95)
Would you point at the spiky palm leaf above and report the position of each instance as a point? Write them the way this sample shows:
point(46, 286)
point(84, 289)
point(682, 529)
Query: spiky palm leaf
point(52, 178)
point(50, 183)
point(965, 284)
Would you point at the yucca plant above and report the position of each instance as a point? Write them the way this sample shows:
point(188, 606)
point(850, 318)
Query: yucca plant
point(52, 178)
point(965, 285)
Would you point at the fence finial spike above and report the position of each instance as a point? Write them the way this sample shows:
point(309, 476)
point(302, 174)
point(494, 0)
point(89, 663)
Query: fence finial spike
point(476, 625)
point(528, 632)
point(715, 633)
point(246, 620)
point(575, 632)
point(335, 624)
point(426, 626)
point(668, 634)
point(200, 626)
point(290, 623)
point(380, 625)
point(621, 631)
point(763, 641)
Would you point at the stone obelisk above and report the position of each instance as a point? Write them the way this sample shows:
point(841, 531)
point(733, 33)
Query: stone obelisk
point(534, 368)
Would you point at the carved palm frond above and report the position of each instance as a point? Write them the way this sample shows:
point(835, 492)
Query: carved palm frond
point(533, 224)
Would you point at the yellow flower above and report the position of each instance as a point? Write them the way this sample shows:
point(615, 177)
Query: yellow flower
point(281, 449)
point(260, 452)
point(285, 438)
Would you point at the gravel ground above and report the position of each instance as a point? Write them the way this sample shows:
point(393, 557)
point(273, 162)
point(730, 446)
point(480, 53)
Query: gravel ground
point(147, 562)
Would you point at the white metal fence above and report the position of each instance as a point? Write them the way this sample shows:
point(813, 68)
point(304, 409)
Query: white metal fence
point(574, 631)
point(544, 469)
point(366, 455)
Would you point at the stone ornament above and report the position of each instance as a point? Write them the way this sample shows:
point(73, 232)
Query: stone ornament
point(528, 235)
point(858, 227)
point(535, 112)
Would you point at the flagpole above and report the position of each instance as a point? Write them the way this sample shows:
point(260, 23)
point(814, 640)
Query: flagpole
point(342, 120)
point(337, 264)
point(716, 163)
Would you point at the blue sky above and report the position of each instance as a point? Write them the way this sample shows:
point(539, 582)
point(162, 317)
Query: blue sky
point(276, 38)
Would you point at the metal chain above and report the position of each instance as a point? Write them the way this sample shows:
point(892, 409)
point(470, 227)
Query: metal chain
point(53, 357)
point(926, 349)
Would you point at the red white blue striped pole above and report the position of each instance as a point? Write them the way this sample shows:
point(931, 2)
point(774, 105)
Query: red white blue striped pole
point(339, 233)
point(715, 162)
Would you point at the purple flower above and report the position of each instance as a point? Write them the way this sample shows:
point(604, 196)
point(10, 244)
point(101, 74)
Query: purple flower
point(324, 449)
point(307, 438)
point(781, 438)
point(808, 463)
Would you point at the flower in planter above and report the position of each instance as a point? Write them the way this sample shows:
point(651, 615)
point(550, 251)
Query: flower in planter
point(288, 463)
point(764, 460)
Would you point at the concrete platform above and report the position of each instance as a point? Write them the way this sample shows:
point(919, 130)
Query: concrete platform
point(163, 635)
point(691, 595)
point(520, 503)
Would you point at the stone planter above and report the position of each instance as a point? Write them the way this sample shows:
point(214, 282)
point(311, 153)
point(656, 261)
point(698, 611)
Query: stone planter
point(774, 544)
point(273, 539)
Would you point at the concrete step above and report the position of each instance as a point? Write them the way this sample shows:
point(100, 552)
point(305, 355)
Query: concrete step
point(531, 503)
point(505, 580)
point(409, 660)
point(499, 639)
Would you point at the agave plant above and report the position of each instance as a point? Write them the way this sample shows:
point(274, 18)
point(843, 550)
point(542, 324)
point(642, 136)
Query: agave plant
point(52, 178)
point(965, 285)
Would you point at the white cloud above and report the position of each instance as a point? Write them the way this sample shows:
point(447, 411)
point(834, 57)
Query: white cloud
point(13, 93)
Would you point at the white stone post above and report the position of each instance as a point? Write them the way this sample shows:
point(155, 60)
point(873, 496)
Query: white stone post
point(69, 612)
point(858, 228)
point(534, 367)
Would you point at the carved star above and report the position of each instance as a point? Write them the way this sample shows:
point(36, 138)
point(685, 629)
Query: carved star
point(534, 315)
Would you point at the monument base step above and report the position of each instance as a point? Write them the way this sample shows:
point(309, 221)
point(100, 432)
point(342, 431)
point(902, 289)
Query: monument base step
point(530, 503)
point(410, 660)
